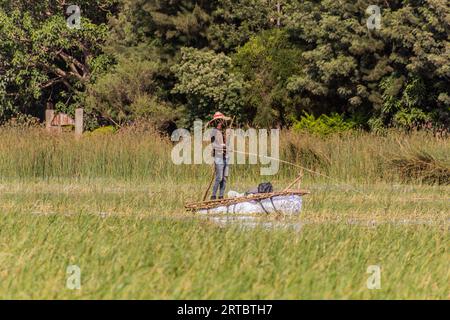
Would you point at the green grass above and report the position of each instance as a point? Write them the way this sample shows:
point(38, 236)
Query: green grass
point(160, 258)
point(145, 156)
point(113, 205)
point(130, 243)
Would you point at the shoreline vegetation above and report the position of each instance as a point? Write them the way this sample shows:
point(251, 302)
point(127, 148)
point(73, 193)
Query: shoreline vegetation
point(354, 156)
point(365, 108)
point(112, 204)
point(176, 61)
point(132, 241)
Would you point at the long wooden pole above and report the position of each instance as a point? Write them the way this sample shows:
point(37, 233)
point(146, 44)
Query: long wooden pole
point(300, 176)
point(210, 182)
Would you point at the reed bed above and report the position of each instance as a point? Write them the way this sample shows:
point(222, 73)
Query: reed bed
point(146, 156)
point(113, 205)
point(127, 257)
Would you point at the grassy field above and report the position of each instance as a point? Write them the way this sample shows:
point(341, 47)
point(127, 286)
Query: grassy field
point(113, 206)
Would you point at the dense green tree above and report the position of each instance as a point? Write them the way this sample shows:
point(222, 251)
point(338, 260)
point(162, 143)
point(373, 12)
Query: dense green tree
point(169, 24)
point(234, 22)
point(268, 61)
point(42, 60)
point(240, 56)
point(162, 28)
point(348, 68)
point(129, 92)
point(208, 83)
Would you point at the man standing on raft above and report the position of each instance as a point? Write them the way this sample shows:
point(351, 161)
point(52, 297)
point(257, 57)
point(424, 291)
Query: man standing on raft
point(220, 153)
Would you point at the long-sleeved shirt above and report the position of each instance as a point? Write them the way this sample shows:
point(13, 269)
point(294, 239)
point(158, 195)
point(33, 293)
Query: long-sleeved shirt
point(218, 140)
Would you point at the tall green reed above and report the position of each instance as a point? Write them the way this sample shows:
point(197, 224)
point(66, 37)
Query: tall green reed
point(357, 157)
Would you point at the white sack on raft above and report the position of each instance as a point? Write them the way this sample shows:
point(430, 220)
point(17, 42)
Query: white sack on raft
point(283, 204)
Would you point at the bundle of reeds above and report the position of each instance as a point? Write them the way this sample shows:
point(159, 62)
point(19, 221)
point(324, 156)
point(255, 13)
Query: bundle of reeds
point(210, 204)
point(419, 165)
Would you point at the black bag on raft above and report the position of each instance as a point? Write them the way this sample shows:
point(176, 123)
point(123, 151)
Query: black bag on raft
point(265, 187)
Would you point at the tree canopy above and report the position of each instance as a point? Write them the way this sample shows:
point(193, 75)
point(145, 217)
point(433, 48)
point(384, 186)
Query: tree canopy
point(178, 60)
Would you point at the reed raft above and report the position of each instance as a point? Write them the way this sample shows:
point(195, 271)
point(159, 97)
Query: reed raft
point(210, 204)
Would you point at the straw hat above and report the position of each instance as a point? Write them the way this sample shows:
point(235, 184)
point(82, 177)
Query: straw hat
point(219, 116)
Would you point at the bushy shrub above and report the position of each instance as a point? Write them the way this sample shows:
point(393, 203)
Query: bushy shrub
point(129, 92)
point(324, 124)
point(104, 130)
point(22, 121)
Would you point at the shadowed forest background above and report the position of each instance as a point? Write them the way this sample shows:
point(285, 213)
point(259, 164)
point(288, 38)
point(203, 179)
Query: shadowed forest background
point(364, 112)
point(172, 61)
